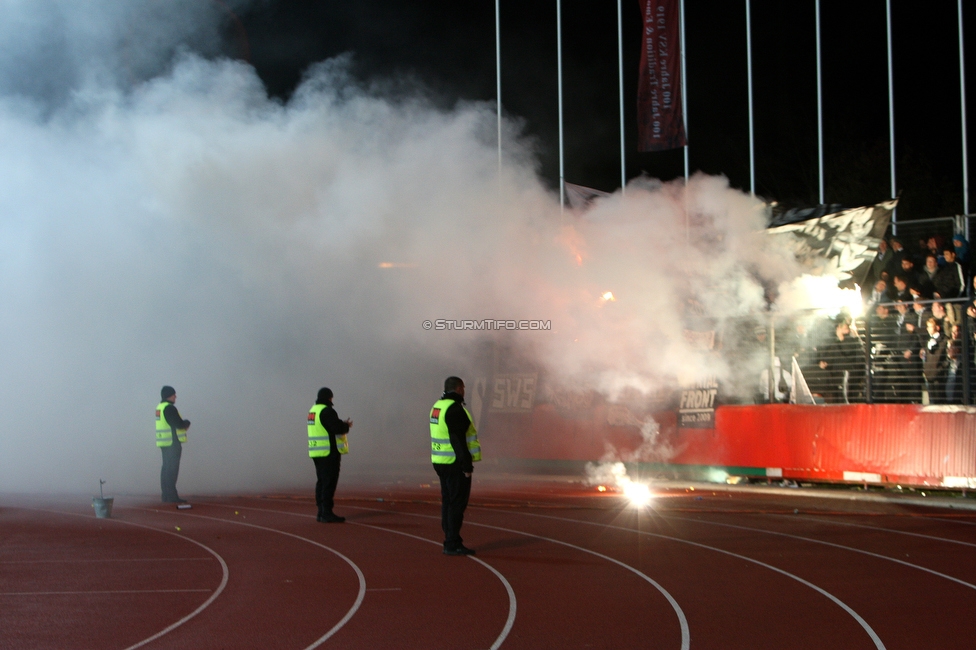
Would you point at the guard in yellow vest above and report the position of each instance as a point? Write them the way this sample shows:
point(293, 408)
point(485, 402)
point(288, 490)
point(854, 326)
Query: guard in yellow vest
point(326, 445)
point(171, 431)
point(454, 448)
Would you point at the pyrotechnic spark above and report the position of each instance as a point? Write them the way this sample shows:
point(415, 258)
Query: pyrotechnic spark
point(822, 294)
point(613, 477)
point(397, 265)
point(608, 296)
point(638, 493)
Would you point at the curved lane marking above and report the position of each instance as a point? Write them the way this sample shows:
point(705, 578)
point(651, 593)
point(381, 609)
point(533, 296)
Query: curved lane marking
point(885, 530)
point(512, 605)
point(832, 544)
point(864, 624)
point(203, 606)
point(362, 579)
point(508, 587)
point(682, 621)
point(955, 521)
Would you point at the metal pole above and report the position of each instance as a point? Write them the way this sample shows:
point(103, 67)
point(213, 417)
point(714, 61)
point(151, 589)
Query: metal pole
point(559, 47)
point(498, 79)
point(620, 65)
point(965, 144)
point(772, 382)
point(966, 360)
point(891, 121)
point(684, 86)
point(868, 362)
point(820, 150)
point(752, 149)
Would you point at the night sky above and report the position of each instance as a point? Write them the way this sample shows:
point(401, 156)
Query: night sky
point(450, 48)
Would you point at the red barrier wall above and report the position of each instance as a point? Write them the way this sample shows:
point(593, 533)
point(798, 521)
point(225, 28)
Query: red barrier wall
point(884, 443)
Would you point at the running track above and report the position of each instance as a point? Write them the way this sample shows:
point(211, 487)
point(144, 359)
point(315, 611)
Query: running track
point(558, 566)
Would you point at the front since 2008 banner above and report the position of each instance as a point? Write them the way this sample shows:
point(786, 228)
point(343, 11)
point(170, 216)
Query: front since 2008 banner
point(660, 124)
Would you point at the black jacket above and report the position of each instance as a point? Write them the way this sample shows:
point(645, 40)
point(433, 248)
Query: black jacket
point(457, 428)
point(949, 280)
point(174, 420)
point(329, 419)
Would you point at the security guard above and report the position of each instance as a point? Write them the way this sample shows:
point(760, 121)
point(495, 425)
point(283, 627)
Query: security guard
point(170, 436)
point(454, 449)
point(326, 444)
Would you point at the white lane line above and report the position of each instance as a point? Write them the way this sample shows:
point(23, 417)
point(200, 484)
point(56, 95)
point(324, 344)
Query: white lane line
point(508, 587)
point(864, 625)
point(362, 579)
point(512, 606)
point(682, 620)
point(203, 606)
point(953, 521)
point(832, 544)
point(123, 591)
point(886, 530)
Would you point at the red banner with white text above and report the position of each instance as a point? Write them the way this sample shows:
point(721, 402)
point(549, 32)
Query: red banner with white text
point(660, 124)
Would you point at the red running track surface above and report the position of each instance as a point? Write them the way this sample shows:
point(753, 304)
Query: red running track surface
point(558, 566)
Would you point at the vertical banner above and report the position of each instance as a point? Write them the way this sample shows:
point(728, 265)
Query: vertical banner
point(660, 124)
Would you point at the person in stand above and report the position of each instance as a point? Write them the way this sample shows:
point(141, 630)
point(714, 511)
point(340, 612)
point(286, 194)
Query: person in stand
point(899, 289)
point(843, 360)
point(326, 444)
point(883, 354)
point(898, 253)
point(949, 281)
point(935, 363)
point(171, 431)
point(953, 384)
point(962, 254)
point(879, 267)
point(878, 295)
point(454, 450)
point(926, 276)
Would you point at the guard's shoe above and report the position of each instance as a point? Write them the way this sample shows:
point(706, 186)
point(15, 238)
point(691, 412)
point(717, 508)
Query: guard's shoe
point(330, 519)
point(460, 550)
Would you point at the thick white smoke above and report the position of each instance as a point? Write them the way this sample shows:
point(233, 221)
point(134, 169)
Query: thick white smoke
point(162, 221)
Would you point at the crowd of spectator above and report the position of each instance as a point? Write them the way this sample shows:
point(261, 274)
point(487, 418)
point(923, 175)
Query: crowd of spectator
point(908, 348)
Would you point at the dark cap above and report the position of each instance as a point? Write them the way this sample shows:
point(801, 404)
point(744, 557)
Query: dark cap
point(325, 395)
point(167, 392)
point(451, 384)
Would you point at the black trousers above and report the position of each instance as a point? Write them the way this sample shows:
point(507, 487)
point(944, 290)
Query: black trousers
point(455, 490)
point(170, 471)
point(327, 475)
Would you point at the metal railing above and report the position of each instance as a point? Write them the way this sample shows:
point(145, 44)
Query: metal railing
point(883, 357)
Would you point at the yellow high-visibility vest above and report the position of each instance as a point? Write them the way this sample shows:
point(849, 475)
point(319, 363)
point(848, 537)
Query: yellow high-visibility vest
point(164, 432)
point(441, 451)
point(318, 437)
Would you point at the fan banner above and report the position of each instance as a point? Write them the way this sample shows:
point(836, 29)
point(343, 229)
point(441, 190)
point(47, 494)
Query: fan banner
point(660, 124)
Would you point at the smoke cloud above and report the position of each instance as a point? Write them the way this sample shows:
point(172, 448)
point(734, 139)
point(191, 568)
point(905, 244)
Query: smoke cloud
point(162, 221)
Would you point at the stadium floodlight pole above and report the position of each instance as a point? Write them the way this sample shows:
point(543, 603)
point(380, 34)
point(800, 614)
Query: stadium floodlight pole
point(498, 80)
point(620, 66)
point(820, 150)
point(559, 69)
point(684, 84)
point(752, 147)
point(965, 143)
point(891, 121)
